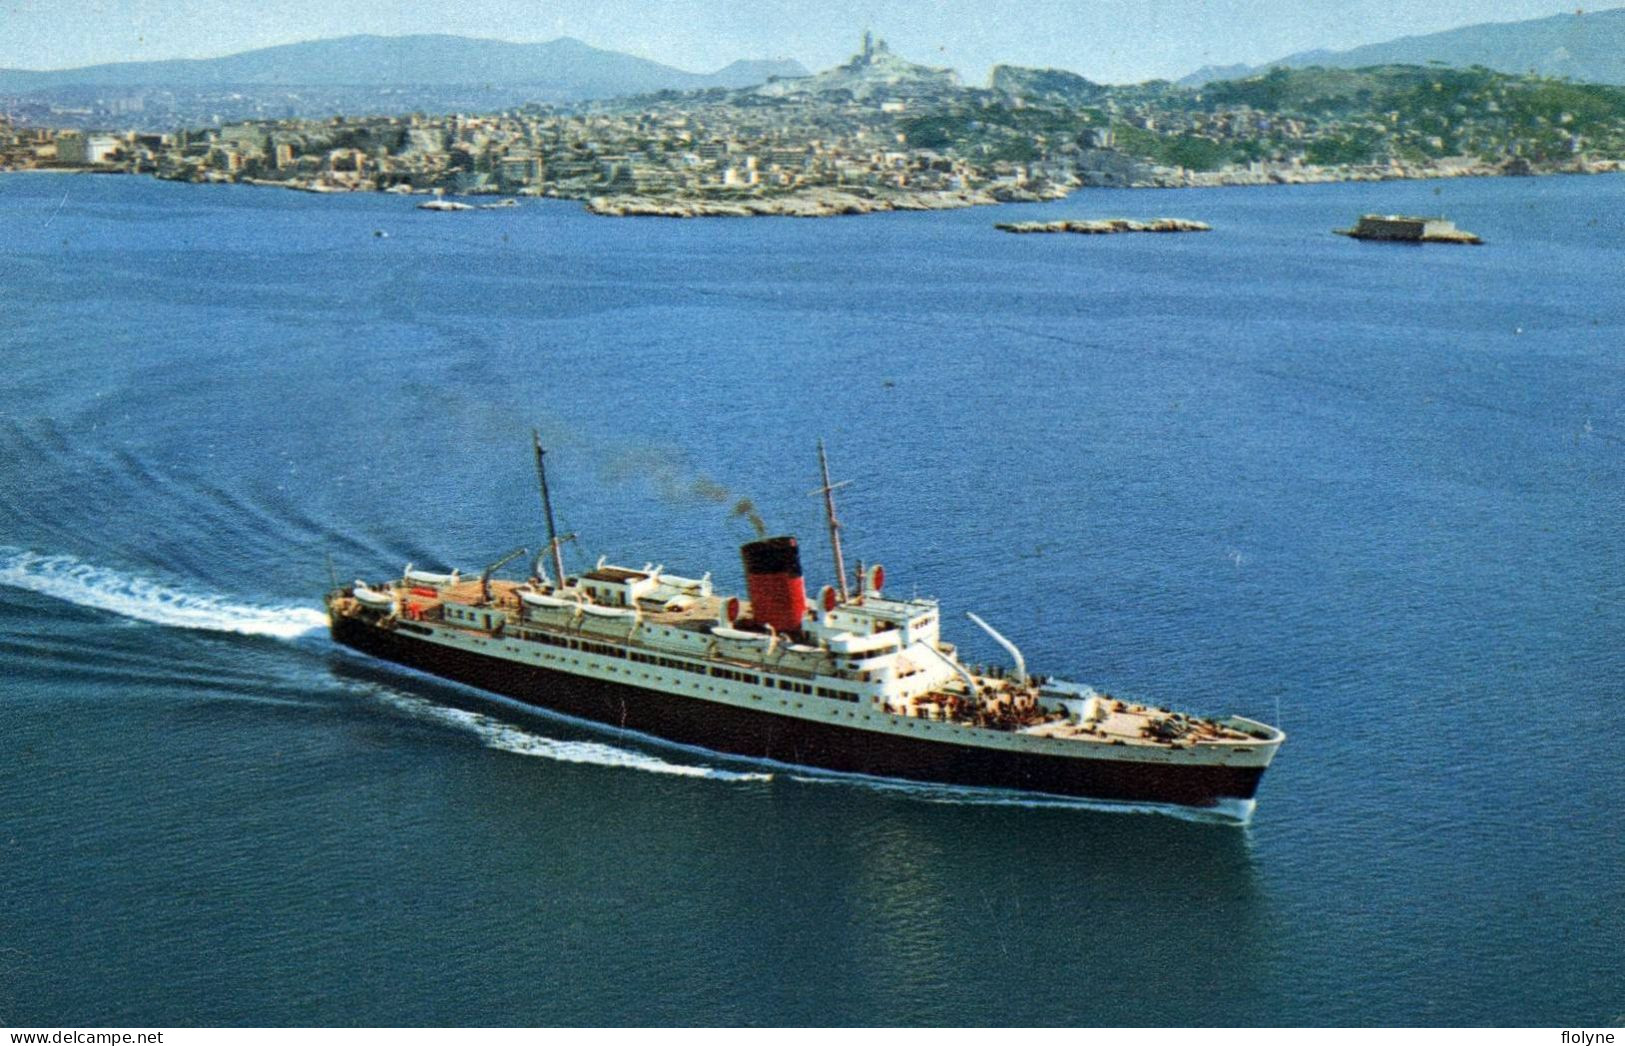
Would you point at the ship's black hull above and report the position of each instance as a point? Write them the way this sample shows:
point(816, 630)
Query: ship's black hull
point(763, 735)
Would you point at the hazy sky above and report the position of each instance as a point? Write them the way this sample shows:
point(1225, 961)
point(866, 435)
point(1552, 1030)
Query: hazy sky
point(1110, 40)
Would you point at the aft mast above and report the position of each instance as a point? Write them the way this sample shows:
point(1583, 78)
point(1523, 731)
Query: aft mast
point(547, 507)
point(828, 490)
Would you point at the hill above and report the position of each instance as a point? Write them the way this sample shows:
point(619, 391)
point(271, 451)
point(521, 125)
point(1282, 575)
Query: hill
point(1588, 46)
point(562, 69)
point(1051, 85)
point(1411, 113)
point(873, 73)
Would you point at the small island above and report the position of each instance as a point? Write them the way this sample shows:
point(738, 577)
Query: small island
point(816, 202)
point(1400, 228)
point(1102, 226)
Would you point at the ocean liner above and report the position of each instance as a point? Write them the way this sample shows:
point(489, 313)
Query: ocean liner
point(855, 680)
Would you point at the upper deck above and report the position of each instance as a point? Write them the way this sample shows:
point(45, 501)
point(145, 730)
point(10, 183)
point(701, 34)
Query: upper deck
point(911, 674)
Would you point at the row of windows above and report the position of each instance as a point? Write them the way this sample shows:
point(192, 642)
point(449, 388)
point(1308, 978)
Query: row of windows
point(600, 648)
point(683, 666)
point(574, 644)
point(666, 662)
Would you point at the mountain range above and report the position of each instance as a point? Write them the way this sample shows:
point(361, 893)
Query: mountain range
point(440, 73)
point(559, 70)
point(1587, 46)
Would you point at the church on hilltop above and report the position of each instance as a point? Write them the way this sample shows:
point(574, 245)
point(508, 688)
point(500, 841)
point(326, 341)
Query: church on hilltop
point(870, 49)
point(873, 73)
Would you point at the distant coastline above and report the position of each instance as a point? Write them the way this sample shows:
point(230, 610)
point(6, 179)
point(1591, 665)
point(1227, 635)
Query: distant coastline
point(819, 203)
point(881, 133)
point(826, 202)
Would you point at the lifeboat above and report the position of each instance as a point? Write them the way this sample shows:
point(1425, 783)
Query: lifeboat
point(738, 635)
point(699, 586)
point(424, 577)
point(542, 599)
point(372, 598)
point(597, 611)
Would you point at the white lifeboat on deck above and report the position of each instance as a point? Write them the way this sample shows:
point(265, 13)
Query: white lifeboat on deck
point(424, 577)
point(372, 598)
point(542, 599)
point(597, 611)
point(739, 635)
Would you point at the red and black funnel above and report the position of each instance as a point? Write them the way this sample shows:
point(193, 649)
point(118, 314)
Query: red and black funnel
point(778, 596)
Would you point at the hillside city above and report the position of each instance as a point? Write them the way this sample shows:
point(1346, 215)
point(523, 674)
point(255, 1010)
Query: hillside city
point(881, 132)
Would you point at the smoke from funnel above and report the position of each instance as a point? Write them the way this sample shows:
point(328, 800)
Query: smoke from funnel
point(670, 473)
point(710, 490)
point(747, 508)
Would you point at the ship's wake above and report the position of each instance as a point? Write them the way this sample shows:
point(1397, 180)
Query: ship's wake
point(1236, 812)
point(141, 598)
point(145, 599)
point(506, 737)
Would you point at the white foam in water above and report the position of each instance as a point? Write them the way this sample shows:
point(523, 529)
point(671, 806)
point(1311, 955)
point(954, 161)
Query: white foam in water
point(143, 599)
point(505, 737)
point(132, 596)
point(1228, 811)
point(500, 735)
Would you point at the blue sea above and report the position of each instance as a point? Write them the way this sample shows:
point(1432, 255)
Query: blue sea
point(1369, 492)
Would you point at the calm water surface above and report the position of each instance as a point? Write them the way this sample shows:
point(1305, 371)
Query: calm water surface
point(1370, 492)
